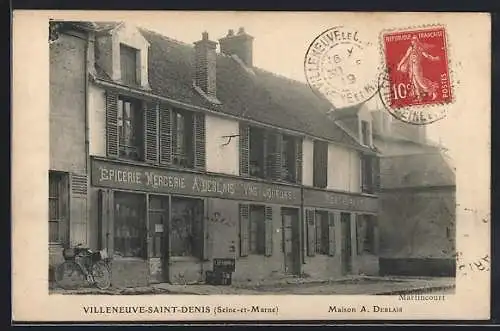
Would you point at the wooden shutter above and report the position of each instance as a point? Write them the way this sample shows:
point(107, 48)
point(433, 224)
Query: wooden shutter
point(244, 229)
point(199, 141)
point(298, 162)
point(274, 164)
point(165, 134)
point(331, 234)
point(376, 173)
point(151, 132)
point(64, 209)
point(105, 220)
point(269, 230)
point(111, 124)
point(376, 245)
point(359, 233)
point(244, 150)
point(320, 163)
point(311, 232)
point(205, 233)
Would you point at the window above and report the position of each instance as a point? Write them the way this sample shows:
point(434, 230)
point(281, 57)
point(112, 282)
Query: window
point(128, 64)
point(182, 134)
point(257, 155)
point(320, 164)
point(158, 216)
point(365, 133)
point(366, 234)
point(322, 231)
point(130, 129)
point(288, 158)
point(257, 230)
point(186, 237)
point(58, 197)
point(130, 225)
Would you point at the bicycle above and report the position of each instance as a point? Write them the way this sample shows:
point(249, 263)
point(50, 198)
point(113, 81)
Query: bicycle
point(83, 263)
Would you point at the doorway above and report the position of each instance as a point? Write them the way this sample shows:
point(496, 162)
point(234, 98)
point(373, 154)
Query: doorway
point(291, 240)
point(158, 237)
point(346, 251)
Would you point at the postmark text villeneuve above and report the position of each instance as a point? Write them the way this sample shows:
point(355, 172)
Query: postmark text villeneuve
point(338, 66)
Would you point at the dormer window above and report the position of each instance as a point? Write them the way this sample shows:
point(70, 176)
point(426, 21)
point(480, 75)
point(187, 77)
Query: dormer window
point(365, 133)
point(128, 65)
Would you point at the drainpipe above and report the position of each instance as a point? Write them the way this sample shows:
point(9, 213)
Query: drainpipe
point(88, 58)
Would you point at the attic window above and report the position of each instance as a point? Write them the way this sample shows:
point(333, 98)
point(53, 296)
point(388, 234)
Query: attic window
point(128, 65)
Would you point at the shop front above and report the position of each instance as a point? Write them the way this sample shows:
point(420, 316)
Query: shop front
point(341, 235)
point(164, 225)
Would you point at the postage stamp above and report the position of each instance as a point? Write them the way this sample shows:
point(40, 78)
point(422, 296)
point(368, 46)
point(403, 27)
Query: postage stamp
point(416, 84)
point(338, 65)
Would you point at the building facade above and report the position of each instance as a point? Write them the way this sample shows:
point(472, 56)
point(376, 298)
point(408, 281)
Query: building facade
point(417, 201)
point(169, 155)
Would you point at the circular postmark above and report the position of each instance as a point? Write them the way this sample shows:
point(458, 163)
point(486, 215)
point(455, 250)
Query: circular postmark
point(341, 66)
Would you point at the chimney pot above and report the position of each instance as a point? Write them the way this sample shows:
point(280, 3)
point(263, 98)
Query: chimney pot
point(241, 30)
point(204, 35)
point(240, 45)
point(230, 33)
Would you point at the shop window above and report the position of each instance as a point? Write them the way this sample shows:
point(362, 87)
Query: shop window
point(322, 231)
point(130, 129)
point(257, 230)
point(128, 64)
point(58, 205)
point(257, 153)
point(130, 225)
point(320, 164)
point(366, 227)
point(182, 135)
point(186, 237)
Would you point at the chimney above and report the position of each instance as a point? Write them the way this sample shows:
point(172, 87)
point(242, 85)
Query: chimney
point(205, 65)
point(240, 44)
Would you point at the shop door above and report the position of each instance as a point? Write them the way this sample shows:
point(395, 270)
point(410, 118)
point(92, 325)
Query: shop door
point(291, 241)
point(158, 235)
point(346, 252)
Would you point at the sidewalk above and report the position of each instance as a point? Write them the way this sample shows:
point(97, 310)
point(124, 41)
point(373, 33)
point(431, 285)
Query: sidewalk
point(359, 285)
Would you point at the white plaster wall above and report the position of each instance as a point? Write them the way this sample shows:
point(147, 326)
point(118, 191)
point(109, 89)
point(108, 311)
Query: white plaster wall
point(220, 158)
point(307, 161)
point(97, 121)
point(343, 169)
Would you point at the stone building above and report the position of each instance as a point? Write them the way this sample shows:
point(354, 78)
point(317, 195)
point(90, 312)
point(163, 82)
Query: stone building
point(169, 155)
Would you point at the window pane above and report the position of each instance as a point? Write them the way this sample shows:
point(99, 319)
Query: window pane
point(256, 152)
point(187, 227)
point(130, 128)
point(257, 230)
point(128, 64)
point(130, 225)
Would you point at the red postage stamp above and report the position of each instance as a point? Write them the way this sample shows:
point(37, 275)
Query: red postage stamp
point(417, 67)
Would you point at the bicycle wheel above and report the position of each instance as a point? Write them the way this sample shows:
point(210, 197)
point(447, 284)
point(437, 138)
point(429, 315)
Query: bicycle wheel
point(102, 275)
point(68, 275)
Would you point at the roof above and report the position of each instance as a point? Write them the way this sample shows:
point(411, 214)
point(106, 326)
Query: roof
point(416, 170)
point(262, 96)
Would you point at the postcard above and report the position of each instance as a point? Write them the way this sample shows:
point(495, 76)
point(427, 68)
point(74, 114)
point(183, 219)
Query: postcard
point(228, 166)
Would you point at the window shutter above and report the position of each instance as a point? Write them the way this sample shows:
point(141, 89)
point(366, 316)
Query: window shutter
point(165, 134)
point(298, 165)
point(199, 141)
point(206, 235)
point(331, 234)
point(269, 232)
point(311, 232)
point(244, 229)
point(376, 173)
point(244, 150)
point(111, 124)
point(151, 132)
point(64, 217)
point(105, 220)
point(359, 233)
point(376, 245)
point(274, 144)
